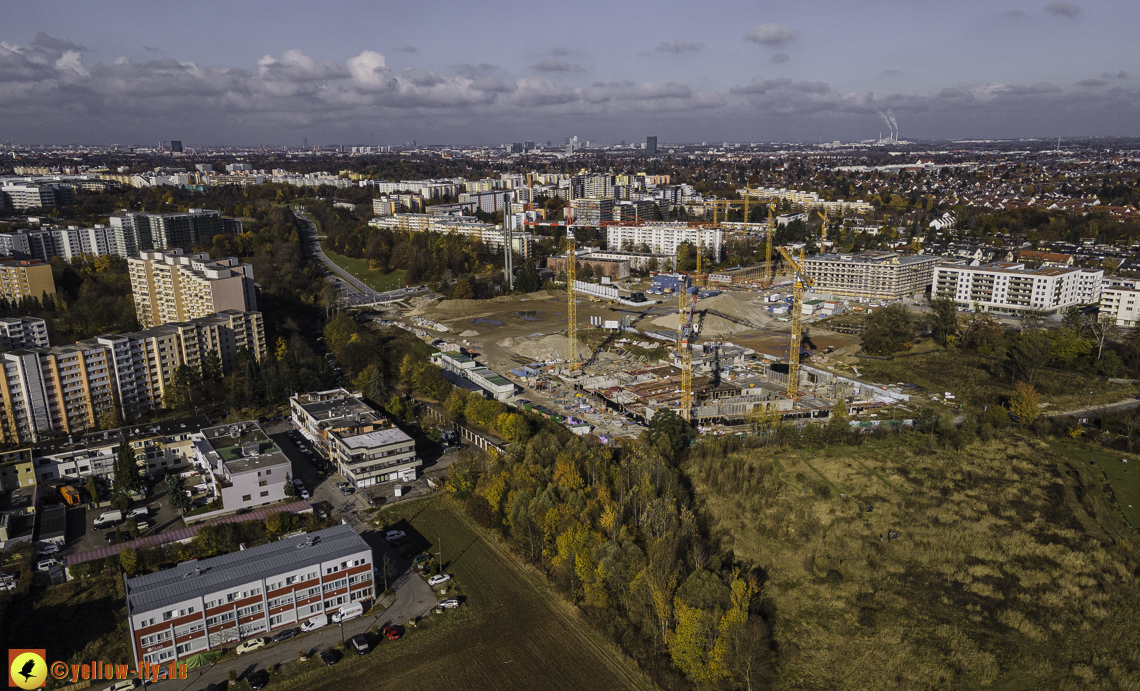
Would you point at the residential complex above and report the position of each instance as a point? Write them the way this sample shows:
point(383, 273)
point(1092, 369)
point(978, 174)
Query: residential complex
point(21, 278)
point(23, 332)
point(870, 275)
point(46, 243)
point(25, 196)
point(522, 243)
point(364, 445)
point(490, 384)
point(170, 286)
point(209, 603)
point(241, 465)
point(131, 233)
point(663, 238)
point(47, 391)
point(1120, 304)
point(1008, 287)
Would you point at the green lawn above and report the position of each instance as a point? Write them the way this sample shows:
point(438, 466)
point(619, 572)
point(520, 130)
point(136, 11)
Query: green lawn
point(1123, 478)
point(369, 277)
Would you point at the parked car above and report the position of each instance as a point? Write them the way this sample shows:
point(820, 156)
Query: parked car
point(305, 494)
point(140, 511)
point(45, 564)
point(124, 685)
point(439, 580)
point(258, 680)
point(315, 622)
point(111, 537)
point(391, 633)
point(298, 482)
point(395, 535)
point(251, 644)
point(347, 490)
point(449, 603)
point(375, 501)
point(48, 548)
point(360, 643)
point(328, 657)
point(421, 559)
point(286, 635)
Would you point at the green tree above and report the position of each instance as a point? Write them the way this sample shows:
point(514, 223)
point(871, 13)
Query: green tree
point(666, 424)
point(686, 257)
point(125, 469)
point(176, 490)
point(211, 367)
point(290, 488)
point(515, 428)
point(943, 319)
point(184, 388)
point(129, 560)
point(92, 489)
point(888, 330)
point(527, 280)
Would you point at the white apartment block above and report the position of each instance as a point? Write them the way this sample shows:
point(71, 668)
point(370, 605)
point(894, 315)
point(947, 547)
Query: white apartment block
point(1121, 304)
point(870, 275)
point(212, 603)
point(1008, 287)
point(663, 238)
point(522, 243)
point(170, 286)
point(1089, 286)
point(23, 332)
point(46, 243)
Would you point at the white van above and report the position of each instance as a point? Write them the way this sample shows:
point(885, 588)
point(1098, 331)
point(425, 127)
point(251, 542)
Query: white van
point(315, 623)
point(350, 611)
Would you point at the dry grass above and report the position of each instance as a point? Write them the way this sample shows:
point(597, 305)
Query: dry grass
point(1011, 571)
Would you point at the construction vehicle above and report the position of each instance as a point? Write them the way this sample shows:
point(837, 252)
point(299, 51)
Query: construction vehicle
point(70, 495)
point(802, 282)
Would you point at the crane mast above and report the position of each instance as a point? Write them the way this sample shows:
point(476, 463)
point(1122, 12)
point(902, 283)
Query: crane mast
point(684, 339)
point(802, 282)
point(571, 296)
point(768, 251)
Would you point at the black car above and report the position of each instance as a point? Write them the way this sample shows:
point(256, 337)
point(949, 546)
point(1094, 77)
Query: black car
point(360, 643)
point(258, 680)
point(286, 635)
point(111, 537)
point(328, 657)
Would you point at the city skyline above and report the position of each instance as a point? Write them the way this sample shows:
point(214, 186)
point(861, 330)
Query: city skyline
point(347, 72)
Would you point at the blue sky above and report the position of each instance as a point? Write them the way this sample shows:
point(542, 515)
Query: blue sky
point(451, 72)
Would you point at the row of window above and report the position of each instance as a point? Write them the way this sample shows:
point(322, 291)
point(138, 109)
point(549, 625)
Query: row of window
point(155, 638)
point(232, 597)
point(290, 580)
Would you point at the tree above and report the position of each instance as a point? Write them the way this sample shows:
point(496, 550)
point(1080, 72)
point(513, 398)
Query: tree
point(1031, 350)
point(176, 490)
point(387, 569)
point(211, 367)
point(527, 280)
point(666, 424)
point(479, 509)
point(888, 329)
point(330, 299)
point(182, 391)
point(1102, 328)
point(943, 319)
point(92, 489)
point(1026, 403)
point(290, 488)
point(125, 469)
point(129, 560)
point(515, 428)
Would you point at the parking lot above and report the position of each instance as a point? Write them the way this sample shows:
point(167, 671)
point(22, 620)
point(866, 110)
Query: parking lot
point(82, 535)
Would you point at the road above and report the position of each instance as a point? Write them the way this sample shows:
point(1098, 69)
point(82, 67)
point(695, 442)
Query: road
point(1084, 411)
point(354, 291)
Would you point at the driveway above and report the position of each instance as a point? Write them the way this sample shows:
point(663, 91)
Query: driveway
point(83, 536)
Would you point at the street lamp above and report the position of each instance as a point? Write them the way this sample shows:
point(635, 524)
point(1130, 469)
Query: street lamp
point(1090, 400)
point(341, 625)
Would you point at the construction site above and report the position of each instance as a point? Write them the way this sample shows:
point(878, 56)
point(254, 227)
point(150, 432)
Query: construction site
point(726, 357)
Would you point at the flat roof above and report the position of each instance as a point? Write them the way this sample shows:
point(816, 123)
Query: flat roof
point(166, 428)
point(202, 577)
point(246, 463)
point(380, 437)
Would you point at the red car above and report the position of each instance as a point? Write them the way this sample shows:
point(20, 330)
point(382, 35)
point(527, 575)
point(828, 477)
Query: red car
point(390, 632)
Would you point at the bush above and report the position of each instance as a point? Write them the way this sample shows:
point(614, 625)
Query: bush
point(479, 509)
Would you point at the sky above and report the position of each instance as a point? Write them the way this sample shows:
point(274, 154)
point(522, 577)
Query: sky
point(357, 72)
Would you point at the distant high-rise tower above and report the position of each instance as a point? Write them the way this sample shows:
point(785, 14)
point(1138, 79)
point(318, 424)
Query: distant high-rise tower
point(175, 146)
point(650, 146)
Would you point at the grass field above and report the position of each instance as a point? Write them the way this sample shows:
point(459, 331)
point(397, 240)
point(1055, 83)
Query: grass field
point(1013, 569)
point(509, 633)
point(1123, 478)
point(974, 379)
point(360, 270)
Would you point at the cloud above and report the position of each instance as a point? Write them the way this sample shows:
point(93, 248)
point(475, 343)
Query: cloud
point(649, 90)
point(151, 49)
point(559, 52)
point(1119, 75)
point(890, 73)
point(769, 34)
point(678, 47)
point(1063, 9)
point(779, 58)
point(759, 85)
point(556, 66)
point(1091, 82)
point(1016, 14)
point(297, 66)
point(482, 69)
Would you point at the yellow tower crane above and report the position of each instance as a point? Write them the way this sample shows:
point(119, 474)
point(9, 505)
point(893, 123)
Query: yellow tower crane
point(684, 340)
point(571, 296)
point(802, 282)
point(768, 251)
point(822, 230)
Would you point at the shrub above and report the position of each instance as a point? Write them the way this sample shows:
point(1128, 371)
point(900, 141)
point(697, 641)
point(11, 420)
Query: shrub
point(480, 510)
